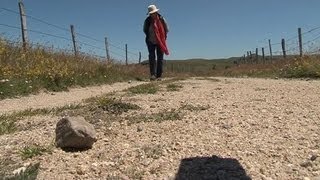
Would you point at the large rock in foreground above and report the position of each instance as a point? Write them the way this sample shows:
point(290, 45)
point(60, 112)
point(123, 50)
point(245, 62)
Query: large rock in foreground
point(75, 132)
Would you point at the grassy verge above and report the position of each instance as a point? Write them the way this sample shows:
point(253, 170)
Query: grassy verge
point(107, 104)
point(23, 73)
point(305, 67)
point(8, 121)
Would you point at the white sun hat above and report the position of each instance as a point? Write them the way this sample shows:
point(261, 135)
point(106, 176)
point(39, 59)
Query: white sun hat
point(152, 9)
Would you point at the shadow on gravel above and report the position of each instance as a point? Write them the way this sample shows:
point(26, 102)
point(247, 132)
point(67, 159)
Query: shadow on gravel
point(213, 168)
point(74, 150)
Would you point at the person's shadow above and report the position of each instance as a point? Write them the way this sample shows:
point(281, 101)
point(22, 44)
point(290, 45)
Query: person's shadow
point(211, 168)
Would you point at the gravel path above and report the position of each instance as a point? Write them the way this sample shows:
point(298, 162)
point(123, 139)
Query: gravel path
point(229, 128)
point(58, 99)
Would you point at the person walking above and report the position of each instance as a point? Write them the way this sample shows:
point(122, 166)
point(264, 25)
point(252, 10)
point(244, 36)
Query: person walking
point(156, 29)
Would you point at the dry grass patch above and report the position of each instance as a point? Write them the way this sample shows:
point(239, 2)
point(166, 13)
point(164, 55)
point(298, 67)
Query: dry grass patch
point(115, 106)
point(35, 150)
point(150, 88)
point(172, 115)
point(208, 79)
point(30, 173)
point(191, 107)
point(8, 121)
point(174, 87)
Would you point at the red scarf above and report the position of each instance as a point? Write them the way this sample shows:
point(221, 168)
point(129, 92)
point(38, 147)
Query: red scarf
point(160, 34)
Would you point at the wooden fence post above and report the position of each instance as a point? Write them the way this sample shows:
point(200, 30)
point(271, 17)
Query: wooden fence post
point(126, 54)
point(73, 34)
point(263, 57)
point(107, 48)
point(23, 20)
point(257, 56)
point(300, 41)
point(270, 48)
point(283, 44)
point(139, 57)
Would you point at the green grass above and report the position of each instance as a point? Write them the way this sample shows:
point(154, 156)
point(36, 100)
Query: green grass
point(150, 88)
point(198, 67)
point(39, 68)
point(8, 121)
point(7, 124)
point(208, 79)
point(115, 106)
point(174, 87)
point(302, 68)
point(153, 151)
point(31, 85)
point(32, 151)
point(30, 173)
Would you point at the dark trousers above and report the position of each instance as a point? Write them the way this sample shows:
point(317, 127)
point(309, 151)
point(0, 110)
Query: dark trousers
point(155, 65)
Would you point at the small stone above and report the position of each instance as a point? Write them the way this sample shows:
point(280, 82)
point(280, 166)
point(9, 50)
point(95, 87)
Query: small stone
point(108, 163)
point(313, 157)
point(95, 164)
point(129, 81)
point(262, 171)
point(152, 106)
point(306, 164)
point(19, 170)
point(80, 170)
point(75, 132)
point(26, 164)
point(76, 155)
point(139, 128)
point(146, 162)
point(306, 178)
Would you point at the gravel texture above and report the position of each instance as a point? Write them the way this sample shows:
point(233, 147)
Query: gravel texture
point(226, 128)
point(58, 99)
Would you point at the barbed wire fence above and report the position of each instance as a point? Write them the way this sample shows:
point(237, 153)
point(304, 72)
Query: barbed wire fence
point(64, 39)
point(303, 43)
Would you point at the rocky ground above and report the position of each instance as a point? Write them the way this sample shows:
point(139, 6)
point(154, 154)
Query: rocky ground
point(210, 128)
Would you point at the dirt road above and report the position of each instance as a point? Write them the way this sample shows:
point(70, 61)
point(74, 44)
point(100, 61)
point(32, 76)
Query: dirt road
point(212, 128)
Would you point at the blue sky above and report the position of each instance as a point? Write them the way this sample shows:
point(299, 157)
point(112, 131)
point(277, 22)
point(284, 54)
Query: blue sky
point(198, 28)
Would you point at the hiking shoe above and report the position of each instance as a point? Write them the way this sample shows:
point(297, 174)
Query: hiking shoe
point(153, 78)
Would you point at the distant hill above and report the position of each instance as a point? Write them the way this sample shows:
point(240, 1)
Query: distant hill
point(198, 66)
point(199, 61)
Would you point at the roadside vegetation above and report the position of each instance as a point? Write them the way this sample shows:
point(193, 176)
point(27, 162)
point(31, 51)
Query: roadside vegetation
point(43, 69)
point(307, 66)
point(25, 72)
